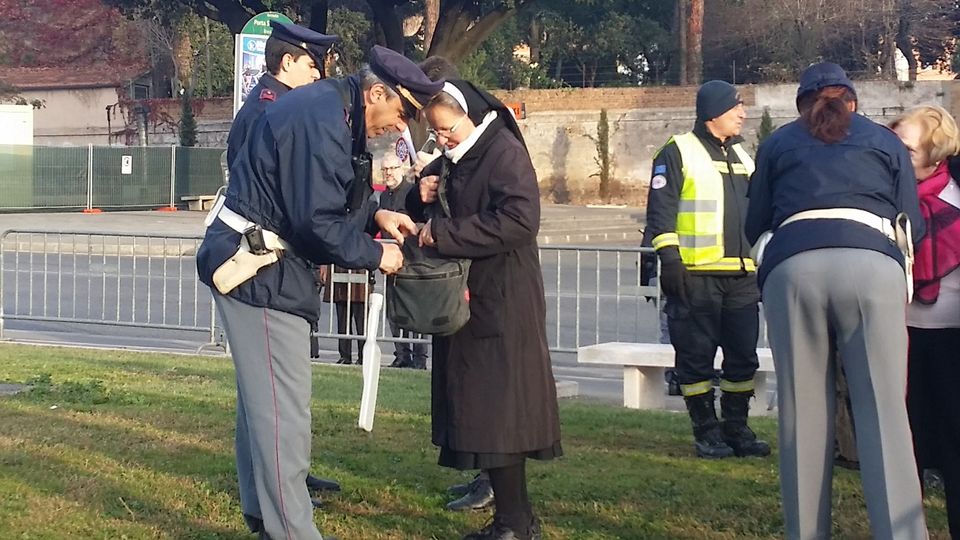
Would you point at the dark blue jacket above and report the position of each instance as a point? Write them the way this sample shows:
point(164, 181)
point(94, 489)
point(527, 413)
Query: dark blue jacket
point(267, 90)
point(870, 169)
point(293, 177)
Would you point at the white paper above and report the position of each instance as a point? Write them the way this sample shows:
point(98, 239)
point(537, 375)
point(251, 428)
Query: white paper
point(371, 363)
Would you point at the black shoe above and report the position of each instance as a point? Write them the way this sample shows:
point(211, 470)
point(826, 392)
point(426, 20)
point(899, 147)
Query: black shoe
point(459, 490)
point(315, 484)
point(479, 496)
point(398, 363)
point(344, 361)
point(255, 524)
point(496, 530)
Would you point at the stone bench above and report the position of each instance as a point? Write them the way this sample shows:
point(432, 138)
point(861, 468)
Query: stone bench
point(199, 202)
point(644, 366)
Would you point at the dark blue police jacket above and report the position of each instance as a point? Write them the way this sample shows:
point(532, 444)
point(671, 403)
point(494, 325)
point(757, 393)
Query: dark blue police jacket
point(870, 170)
point(293, 177)
point(267, 90)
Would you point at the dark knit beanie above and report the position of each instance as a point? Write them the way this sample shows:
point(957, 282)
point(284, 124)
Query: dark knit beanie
point(715, 98)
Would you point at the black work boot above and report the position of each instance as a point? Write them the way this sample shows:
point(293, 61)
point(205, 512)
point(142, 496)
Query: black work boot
point(735, 406)
point(707, 438)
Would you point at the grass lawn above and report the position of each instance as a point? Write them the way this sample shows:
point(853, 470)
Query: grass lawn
point(130, 445)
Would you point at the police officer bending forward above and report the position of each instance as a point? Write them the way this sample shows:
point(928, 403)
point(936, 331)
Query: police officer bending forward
point(291, 205)
point(294, 57)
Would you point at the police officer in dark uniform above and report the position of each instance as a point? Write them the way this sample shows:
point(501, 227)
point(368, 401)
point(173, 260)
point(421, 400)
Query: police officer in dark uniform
point(695, 215)
point(294, 56)
point(297, 198)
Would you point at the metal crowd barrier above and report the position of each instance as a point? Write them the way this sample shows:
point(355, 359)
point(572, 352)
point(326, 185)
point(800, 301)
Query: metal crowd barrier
point(57, 280)
point(594, 294)
point(143, 283)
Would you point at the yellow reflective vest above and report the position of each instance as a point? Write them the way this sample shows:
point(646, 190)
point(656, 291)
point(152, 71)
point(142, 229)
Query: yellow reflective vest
point(699, 233)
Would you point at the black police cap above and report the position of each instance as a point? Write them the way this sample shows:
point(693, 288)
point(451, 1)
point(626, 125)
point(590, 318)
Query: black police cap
point(314, 43)
point(822, 75)
point(404, 77)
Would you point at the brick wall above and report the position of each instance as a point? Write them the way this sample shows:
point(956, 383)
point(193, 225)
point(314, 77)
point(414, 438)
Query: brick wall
point(561, 126)
point(212, 109)
point(592, 99)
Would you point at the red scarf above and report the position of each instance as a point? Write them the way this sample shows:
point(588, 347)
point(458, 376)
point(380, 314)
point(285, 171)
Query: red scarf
point(939, 251)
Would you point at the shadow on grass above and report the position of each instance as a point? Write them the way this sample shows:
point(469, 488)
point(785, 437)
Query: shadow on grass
point(113, 500)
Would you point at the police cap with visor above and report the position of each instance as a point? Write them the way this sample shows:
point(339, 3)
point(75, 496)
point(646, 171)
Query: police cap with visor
point(314, 43)
point(405, 78)
point(820, 76)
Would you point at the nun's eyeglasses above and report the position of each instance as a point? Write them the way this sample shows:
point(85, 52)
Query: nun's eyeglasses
point(446, 132)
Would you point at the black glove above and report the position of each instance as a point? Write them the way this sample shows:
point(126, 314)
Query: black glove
point(673, 279)
point(648, 271)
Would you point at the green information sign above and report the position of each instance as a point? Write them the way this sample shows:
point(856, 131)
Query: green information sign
point(249, 62)
point(260, 25)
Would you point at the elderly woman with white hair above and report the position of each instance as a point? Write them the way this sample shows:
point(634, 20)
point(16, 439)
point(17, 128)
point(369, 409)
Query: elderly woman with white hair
point(494, 395)
point(933, 318)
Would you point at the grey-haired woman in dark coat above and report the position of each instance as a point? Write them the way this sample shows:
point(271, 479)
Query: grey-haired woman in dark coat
point(494, 395)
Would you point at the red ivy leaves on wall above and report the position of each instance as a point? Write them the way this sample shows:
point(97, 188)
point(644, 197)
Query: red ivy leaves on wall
point(55, 33)
point(163, 114)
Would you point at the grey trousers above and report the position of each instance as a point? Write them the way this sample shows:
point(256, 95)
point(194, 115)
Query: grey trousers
point(851, 301)
point(271, 353)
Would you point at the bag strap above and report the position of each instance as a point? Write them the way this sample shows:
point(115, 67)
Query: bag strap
point(442, 189)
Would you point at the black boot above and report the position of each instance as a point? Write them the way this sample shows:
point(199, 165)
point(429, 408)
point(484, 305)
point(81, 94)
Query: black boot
point(735, 406)
point(478, 496)
point(708, 440)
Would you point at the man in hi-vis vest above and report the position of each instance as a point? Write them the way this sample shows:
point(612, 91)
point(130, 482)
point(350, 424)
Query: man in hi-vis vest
point(695, 215)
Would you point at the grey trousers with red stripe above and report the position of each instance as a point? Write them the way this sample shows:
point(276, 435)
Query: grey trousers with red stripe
point(271, 353)
point(853, 302)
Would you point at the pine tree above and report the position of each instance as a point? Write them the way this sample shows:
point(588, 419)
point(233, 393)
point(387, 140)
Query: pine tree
point(188, 123)
point(766, 127)
point(603, 154)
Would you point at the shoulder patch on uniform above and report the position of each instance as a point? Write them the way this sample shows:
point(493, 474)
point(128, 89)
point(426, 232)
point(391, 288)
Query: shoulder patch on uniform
point(660, 169)
point(658, 181)
point(401, 149)
point(268, 95)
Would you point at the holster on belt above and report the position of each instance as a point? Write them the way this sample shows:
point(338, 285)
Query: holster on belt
point(258, 247)
point(240, 267)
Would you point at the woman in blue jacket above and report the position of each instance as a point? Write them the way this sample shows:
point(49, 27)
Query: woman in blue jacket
point(830, 186)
